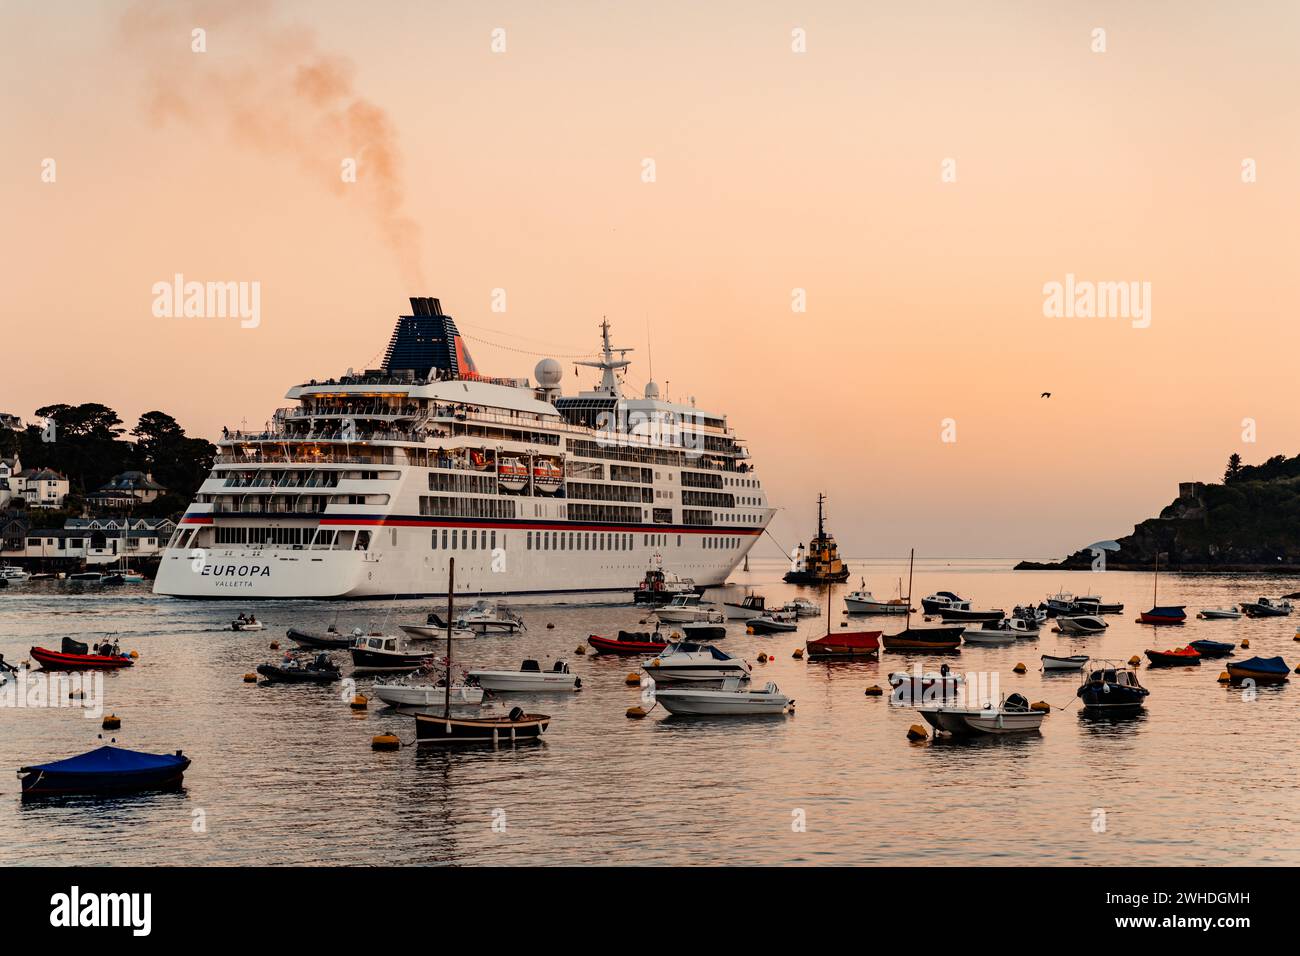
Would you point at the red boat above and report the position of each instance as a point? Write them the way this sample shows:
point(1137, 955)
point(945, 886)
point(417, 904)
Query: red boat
point(628, 643)
point(1181, 657)
point(59, 661)
point(847, 646)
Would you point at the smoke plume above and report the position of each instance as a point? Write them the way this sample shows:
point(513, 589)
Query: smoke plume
point(275, 92)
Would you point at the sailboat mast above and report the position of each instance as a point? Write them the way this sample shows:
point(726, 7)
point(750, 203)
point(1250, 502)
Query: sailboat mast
point(451, 617)
point(910, 558)
point(1155, 586)
point(820, 532)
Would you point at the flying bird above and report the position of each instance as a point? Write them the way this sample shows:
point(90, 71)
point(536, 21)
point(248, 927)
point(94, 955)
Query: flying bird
point(1046, 395)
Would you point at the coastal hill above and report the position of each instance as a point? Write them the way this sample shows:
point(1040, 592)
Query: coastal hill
point(1249, 522)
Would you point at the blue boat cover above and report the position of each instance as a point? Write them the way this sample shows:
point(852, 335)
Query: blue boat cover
point(1169, 611)
point(1265, 665)
point(1215, 645)
point(111, 760)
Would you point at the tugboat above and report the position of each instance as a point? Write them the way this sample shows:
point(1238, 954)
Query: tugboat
point(821, 563)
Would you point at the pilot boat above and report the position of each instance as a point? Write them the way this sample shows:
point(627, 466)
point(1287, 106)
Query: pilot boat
point(689, 662)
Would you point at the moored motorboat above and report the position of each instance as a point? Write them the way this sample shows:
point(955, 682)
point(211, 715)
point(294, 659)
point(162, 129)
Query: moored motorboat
point(292, 670)
point(913, 687)
point(1074, 662)
point(991, 633)
point(733, 699)
point(77, 656)
point(863, 601)
point(682, 608)
point(106, 770)
point(752, 606)
point(1111, 689)
point(529, 679)
point(711, 627)
point(404, 692)
point(1213, 648)
point(1012, 715)
point(943, 600)
point(373, 653)
point(773, 622)
point(802, 607)
point(485, 617)
point(1179, 657)
point(690, 662)
point(629, 643)
point(13, 574)
point(1080, 624)
point(1263, 671)
point(1266, 607)
point(1097, 606)
point(946, 638)
point(1024, 626)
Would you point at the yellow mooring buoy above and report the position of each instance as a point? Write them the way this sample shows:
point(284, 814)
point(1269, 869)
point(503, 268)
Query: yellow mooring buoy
point(762, 658)
point(632, 680)
point(360, 702)
point(1245, 642)
point(917, 733)
point(550, 625)
point(1020, 668)
point(798, 654)
point(135, 655)
point(275, 645)
point(1134, 661)
point(873, 691)
point(580, 649)
point(635, 713)
point(250, 678)
point(112, 722)
point(385, 742)
point(1225, 678)
point(1041, 705)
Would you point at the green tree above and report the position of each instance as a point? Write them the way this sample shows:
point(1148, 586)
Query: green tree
point(1234, 468)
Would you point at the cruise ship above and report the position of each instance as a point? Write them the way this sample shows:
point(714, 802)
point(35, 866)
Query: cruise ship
point(367, 484)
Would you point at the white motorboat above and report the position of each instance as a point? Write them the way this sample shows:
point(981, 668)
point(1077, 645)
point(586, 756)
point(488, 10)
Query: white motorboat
point(754, 605)
point(1024, 627)
point(732, 700)
point(682, 609)
point(1073, 663)
point(13, 574)
point(1012, 715)
point(1080, 624)
point(1267, 607)
point(399, 693)
point(1219, 614)
point(992, 633)
point(913, 687)
point(530, 679)
point(687, 662)
point(863, 601)
point(1029, 612)
point(802, 607)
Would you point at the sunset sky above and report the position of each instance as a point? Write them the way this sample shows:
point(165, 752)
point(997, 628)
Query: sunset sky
point(774, 170)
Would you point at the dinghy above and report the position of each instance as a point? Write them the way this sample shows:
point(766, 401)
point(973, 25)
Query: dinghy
point(329, 639)
point(291, 670)
point(1012, 715)
point(1074, 663)
point(1264, 671)
point(1179, 657)
point(77, 656)
point(106, 770)
point(249, 623)
point(529, 679)
point(1111, 690)
point(731, 701)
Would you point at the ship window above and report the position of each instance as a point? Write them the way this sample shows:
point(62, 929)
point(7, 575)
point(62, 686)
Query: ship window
point(434, 545)
point(529, 541)
point(494, 540)
point(482, 541)
point(444, 539)
point(474, 539)
point(679, 541)
point(363, 540)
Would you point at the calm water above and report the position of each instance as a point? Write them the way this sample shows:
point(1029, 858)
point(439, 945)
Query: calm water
point(285, 775)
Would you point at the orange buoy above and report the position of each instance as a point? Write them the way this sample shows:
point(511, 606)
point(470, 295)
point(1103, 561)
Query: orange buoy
point(112, 722)
point(798, 654)
point(275, 645)
point(385, 742)
point(1134, 661)
point(1245, 642)
point(632, 680)
point(1041, 705)
point(917, 733)
point(360, 702)
point(580, 649)
point(762, 658)
point(873, 691)
point(1020, 668)
point(1224, 678)
point(250, 678)
point(636, 713)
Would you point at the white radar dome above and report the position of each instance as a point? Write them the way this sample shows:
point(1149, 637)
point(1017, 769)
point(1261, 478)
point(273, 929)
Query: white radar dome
point(549, 373)
point(651, 389)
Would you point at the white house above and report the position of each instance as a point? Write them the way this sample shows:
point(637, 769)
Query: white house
point(45, 488)
point(9, 485)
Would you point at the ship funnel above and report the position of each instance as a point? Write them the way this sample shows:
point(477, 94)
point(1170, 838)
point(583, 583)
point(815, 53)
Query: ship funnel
point(424, 305)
